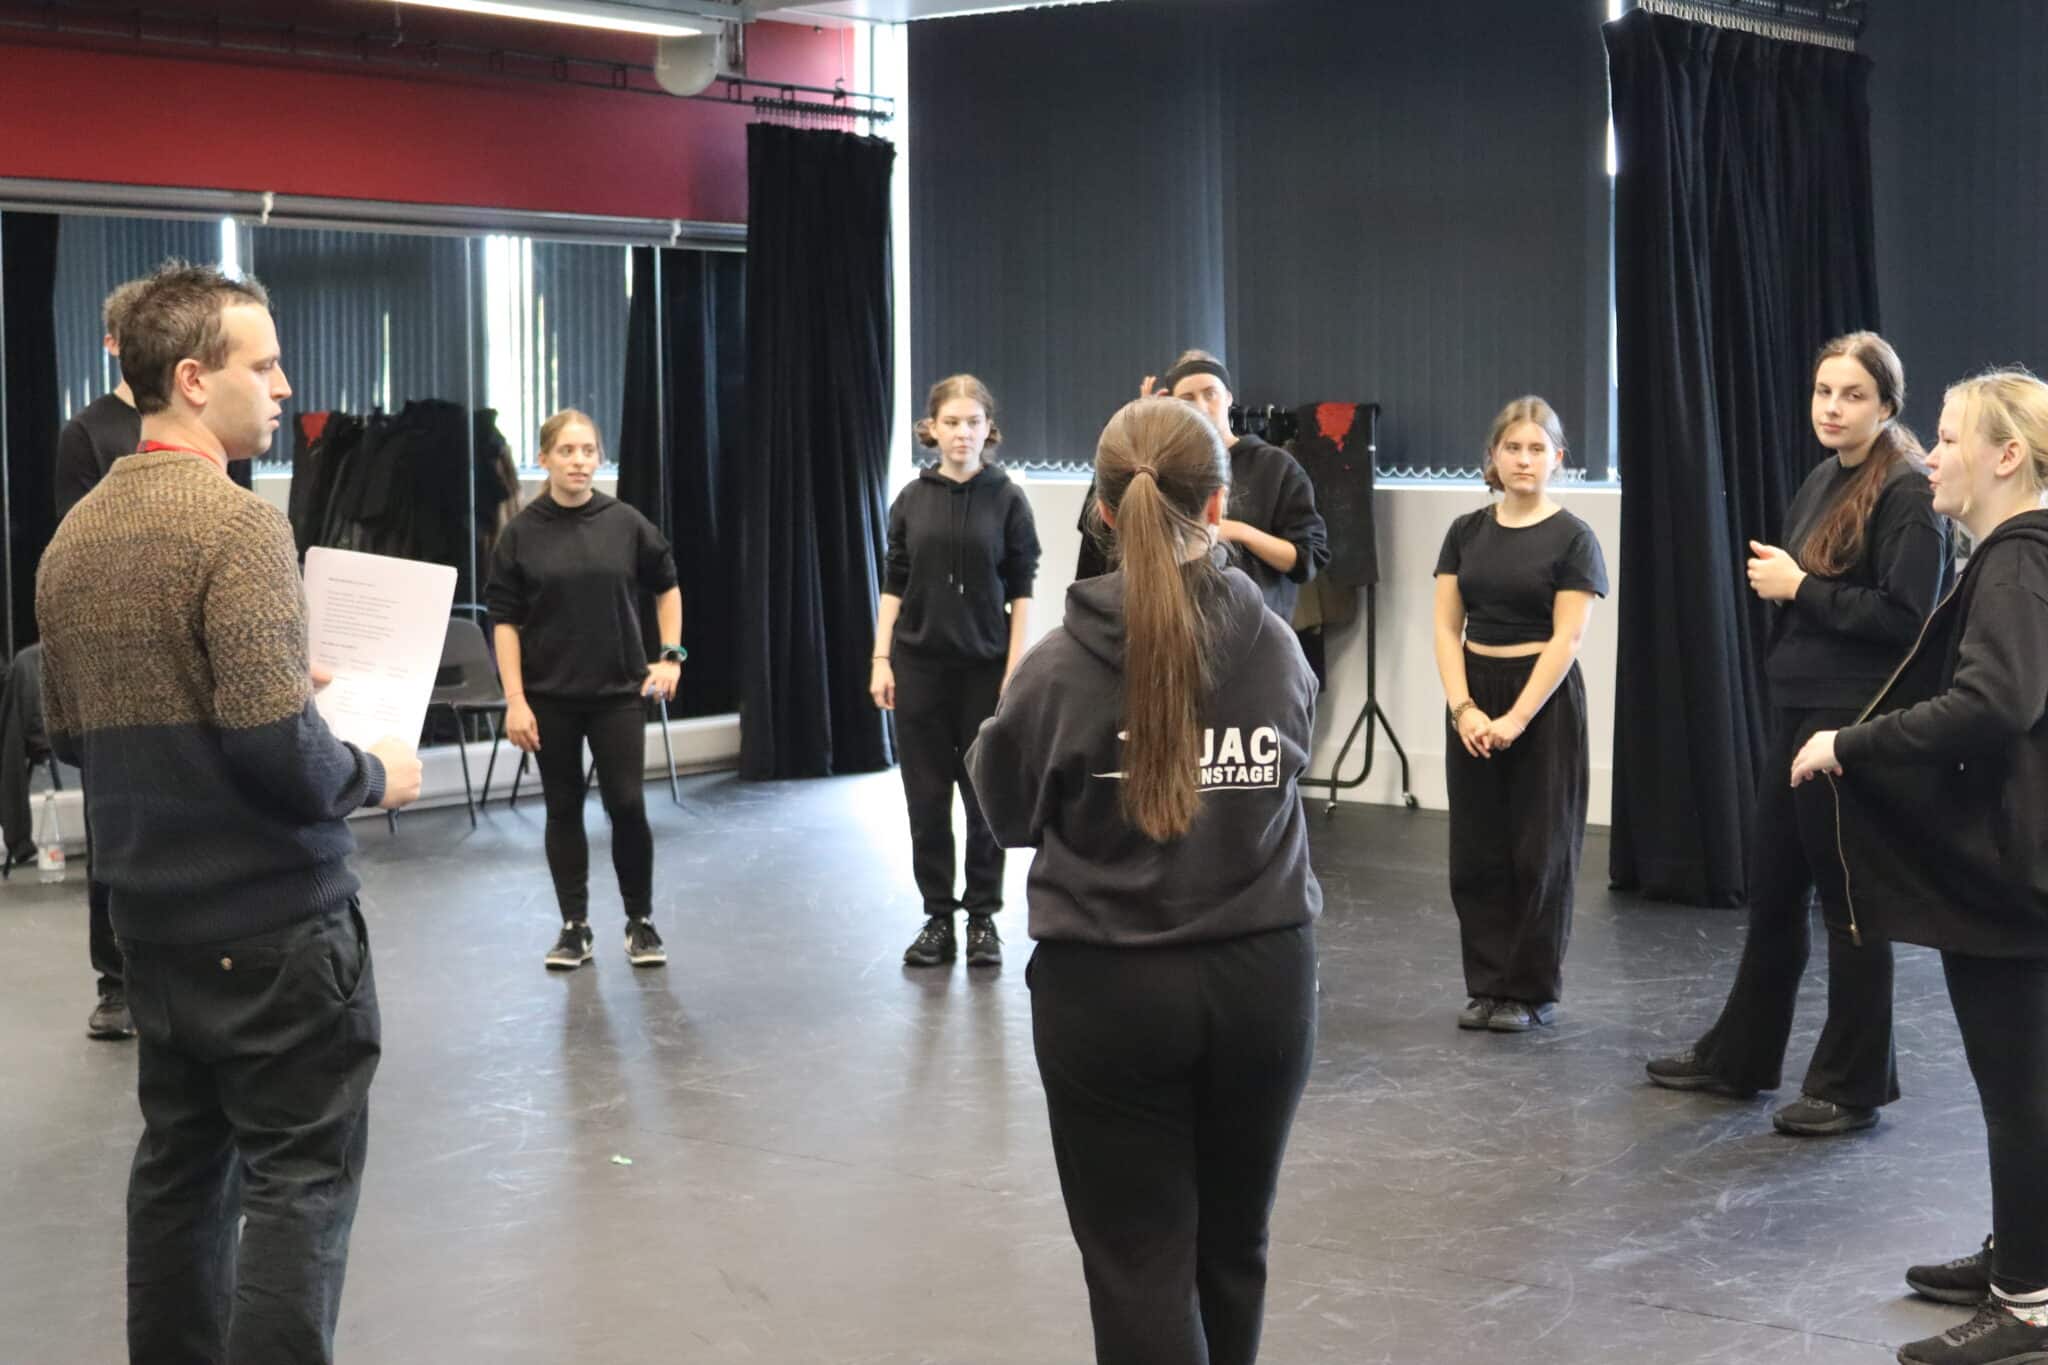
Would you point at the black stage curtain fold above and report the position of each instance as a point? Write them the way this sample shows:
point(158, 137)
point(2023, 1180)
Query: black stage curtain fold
point(682, 443)
point(815, 513)
point(1744, 240)
point(29, 402)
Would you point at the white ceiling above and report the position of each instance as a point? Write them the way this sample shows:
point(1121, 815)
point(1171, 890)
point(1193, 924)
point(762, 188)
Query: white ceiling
point(895, 11)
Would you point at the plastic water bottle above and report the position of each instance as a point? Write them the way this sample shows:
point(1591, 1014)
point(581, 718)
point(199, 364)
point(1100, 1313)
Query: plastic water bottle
point(50, 842)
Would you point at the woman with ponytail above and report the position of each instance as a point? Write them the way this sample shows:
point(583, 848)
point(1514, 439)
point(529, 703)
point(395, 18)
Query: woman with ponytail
point(955, 613)
point(1938, 787)
point(1149, 750)
point(1515, 583)
point(1868, 559)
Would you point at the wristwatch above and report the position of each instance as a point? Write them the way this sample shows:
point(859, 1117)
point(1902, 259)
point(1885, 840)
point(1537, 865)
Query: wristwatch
point(675, 652)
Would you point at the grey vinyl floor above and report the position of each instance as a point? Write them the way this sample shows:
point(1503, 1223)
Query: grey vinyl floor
point(835, 1159)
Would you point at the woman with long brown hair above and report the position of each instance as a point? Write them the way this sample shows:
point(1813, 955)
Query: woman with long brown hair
point(1149, 749)
point(1869, 559)
point(1939, 786)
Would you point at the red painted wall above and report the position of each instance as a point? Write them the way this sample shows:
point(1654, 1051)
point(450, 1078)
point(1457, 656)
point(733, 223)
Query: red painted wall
point(165, 118)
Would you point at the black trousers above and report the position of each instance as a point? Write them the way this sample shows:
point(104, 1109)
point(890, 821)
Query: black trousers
point(101, 945)
point(2002, 1007)
point(254, 1072)
point(1794, 853)
point(1518, 824)
point(939, 708)
point(104, 948)
point(617, 734)
point(1171, 1078)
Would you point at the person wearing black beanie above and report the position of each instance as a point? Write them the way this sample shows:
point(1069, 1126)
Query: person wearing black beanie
point(1273, 531)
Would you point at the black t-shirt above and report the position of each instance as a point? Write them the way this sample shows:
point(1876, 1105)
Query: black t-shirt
point(572, 581)
point(103, 431)
point(1510, 576)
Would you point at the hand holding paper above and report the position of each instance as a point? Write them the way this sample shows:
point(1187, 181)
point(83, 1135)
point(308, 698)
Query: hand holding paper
point(376, 627)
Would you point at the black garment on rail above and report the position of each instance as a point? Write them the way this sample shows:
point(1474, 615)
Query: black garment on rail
point(400, 485)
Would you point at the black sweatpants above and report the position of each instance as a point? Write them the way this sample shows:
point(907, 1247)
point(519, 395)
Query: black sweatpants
point(939, 709)
point(1518, 824)
point(1794, 852)
point(2002, 1007)
point(617, 734)
point(1171, 1079)
point(253, 1070)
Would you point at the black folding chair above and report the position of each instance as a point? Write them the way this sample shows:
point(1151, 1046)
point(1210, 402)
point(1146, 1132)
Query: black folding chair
point(467, 685)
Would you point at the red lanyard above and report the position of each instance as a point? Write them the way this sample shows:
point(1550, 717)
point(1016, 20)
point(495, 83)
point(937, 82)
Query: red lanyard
point(155, 447)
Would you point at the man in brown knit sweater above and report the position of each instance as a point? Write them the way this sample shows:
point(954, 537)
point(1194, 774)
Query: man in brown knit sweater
point(217, 800)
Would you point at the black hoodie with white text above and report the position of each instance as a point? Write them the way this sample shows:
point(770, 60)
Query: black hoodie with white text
point(959, 553)
point(1047, 767)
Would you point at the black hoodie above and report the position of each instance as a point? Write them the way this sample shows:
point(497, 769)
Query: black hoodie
point(1940, 805)
point(573, 580)
point(1046, 769)
point(959, 553)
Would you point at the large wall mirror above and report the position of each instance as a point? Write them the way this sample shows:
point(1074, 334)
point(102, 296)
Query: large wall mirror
point(422, 364)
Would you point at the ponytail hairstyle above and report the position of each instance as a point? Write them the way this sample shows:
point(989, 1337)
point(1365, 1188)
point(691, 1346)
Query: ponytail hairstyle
point(1836, 543)
point(1528, 408)
point(2009, 405)
point(945, 391)
point(1156, 467)
point(551, 429)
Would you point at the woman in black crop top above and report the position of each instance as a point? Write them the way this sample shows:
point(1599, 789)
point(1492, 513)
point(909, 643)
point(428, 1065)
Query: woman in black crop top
point(1515, 585)
point(1868, 559)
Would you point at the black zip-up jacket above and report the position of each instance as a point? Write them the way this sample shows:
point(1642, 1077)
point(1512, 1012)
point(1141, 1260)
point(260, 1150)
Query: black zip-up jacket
point(1836, 642)
point(572, 580)
point(1269, 490)
point(1047, 775)
point(1944, 787)
point(959, 553)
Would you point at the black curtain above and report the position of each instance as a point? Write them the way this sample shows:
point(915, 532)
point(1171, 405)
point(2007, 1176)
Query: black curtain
point(1743, 241)
point(815, 519)
point(28, 404)
point(682, 442)
point(1396, 202)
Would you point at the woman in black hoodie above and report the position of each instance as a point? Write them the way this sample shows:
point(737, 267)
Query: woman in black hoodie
point(568, 578)
point(1869, 559)
point(1939, 789)
point(955, 617)
point(1149, 750)
point(1271, 526)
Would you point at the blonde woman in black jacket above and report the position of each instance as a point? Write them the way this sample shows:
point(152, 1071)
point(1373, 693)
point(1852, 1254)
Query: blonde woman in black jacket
point(1940, 788)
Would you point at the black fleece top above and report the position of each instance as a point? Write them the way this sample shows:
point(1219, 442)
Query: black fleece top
point(572, 581)
point(1047, 766)
point(959, 554)
point(103, 431)
point(1835, 643)
point(1944, 784)
point(1268, 490)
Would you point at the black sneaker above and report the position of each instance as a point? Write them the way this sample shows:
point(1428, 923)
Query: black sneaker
point(643, 945)
point(1475, 1011)
point(1809, 1117)
point(109, 1018)
point(1993, 1337)
point(984, 944)
point(571, 950)
point(1518, 1016)
point(933, 945)
point(1686, 1072)
point(1966, 1281)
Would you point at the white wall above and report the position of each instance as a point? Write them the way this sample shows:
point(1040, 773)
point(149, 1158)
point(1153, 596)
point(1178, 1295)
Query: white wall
point(1411, 523)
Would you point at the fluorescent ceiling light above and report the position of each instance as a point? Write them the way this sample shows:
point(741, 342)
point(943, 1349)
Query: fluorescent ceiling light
point(581, 13)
